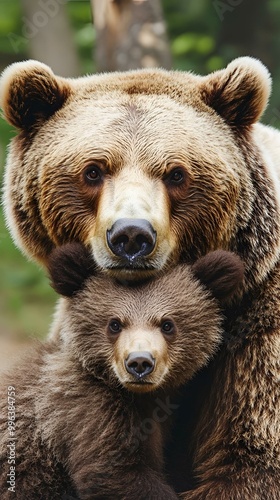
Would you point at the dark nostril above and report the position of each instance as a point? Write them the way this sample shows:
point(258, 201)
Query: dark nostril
point(140, 364)
point(131, 238)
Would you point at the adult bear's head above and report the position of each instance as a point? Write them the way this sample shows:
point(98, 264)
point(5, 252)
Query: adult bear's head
point(148, 168)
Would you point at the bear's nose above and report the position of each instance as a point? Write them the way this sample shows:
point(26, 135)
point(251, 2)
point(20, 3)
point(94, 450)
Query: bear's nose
point(139, 364)
point(131, 238)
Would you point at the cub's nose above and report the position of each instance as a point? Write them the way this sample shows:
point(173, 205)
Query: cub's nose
point(140, 364)
point(131, 238)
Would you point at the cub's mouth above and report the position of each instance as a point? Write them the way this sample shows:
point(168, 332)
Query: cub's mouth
point(141, 382)
point(140, 386)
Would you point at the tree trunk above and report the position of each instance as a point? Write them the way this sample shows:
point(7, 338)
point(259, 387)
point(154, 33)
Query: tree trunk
point(47, 28)
point(130, 34)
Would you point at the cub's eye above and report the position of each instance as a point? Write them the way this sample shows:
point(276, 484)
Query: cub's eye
point(115, 326)
point(93, 174)
point(167, 327)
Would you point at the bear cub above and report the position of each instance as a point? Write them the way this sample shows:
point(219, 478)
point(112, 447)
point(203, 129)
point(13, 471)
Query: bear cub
point(93, 406)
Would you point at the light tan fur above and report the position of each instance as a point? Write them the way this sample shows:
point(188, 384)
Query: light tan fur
point(136, 340)
point(159, 120)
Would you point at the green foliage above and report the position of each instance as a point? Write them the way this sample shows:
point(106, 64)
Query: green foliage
point(192, 42)
point(192, 29)
point(14, 46)
point(84, 34)
point(9, 23)
point(26, 299)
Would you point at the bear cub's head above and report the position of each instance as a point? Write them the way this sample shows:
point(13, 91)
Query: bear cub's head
point(148, 336)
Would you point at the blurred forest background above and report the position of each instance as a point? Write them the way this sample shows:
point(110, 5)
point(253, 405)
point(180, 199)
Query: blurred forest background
point(197, 35)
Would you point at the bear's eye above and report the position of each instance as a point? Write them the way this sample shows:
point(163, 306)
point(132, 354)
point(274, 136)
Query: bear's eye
point(167, 327)
point(93, 174)
point(176, 176)
point(115, 326)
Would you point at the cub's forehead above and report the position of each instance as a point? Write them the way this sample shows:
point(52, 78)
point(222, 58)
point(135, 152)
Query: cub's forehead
point(173, 294)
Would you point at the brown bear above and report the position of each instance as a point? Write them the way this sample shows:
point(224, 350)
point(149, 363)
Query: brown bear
point(151, 169)
point(92, 408)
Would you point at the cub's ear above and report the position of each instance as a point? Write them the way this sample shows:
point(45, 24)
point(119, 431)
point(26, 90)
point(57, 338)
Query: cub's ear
point(222, 272)
point(238, 93)
point(30, 93)
point(69, 266)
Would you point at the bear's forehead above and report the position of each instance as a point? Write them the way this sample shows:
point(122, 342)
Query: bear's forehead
point(184, 87)
point(130, 127)
point(138, 123)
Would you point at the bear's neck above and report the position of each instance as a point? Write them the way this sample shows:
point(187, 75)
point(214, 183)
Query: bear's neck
point(257, 240)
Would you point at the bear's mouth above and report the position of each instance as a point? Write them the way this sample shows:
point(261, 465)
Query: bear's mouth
point(132, 267)
point(135, 274)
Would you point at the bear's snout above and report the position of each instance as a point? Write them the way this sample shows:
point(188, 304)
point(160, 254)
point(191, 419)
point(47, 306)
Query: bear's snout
point(131, 238)
point(140, 364)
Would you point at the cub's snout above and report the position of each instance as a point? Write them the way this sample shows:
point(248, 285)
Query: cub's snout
point(140, 364)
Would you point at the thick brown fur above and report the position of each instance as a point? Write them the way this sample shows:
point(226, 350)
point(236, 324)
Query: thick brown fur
point(80, 431)
point(110, 152)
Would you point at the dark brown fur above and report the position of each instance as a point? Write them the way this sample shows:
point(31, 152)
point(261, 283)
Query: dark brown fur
point(79, 431)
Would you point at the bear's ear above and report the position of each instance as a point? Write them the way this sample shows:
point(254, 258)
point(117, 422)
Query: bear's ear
point(220, 271)
point(30, 93)
point(69, 266)
point(238, 93)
